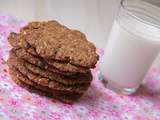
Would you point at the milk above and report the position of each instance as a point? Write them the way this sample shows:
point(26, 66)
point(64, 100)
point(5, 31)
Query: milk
point(131, 50)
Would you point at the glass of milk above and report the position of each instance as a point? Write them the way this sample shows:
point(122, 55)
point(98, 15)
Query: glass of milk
point(133, 45)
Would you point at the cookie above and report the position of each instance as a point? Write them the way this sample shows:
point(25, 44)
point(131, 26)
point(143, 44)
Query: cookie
point(52, 65)
point(52, 84)
point(66, 98)
point(22, 53)
point(67, 80)
point(15, 72)
point(13, 39)
point(52, 40)
point(60, 67)
point(67, 67)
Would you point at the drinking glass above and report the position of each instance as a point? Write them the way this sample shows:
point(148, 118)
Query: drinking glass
point(133, 45)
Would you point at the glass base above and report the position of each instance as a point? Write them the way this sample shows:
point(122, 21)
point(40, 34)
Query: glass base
point(117, 89)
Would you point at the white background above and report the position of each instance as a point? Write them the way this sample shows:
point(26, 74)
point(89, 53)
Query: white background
point(93, 17)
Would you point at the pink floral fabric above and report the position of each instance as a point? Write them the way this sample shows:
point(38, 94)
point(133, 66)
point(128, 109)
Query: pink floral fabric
point(98, 103)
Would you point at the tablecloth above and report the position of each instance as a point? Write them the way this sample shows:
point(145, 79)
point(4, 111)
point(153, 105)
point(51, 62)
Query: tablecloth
point(98, 103)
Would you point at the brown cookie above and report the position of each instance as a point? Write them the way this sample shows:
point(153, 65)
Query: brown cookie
point(15, 72)
point(67, 67)
point(66, 98)
point(68, 80)
point(33, 57)
point(60, 65)
point(19, 64)
point(52, 65)
point(15, 38)
point(52, 40)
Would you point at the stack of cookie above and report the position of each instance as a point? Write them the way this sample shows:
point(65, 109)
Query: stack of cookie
point(52, 60)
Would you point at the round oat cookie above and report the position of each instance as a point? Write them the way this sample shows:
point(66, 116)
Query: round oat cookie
point(78, 78)
point(15, 72)
point(52, 40)
point(39, 62)
point(32, 57)
point(66, 98)
point(14, 40)
point(52, 65)
point(19, 64)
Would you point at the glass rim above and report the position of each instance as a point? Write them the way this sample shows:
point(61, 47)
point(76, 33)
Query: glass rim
point(122, 6)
